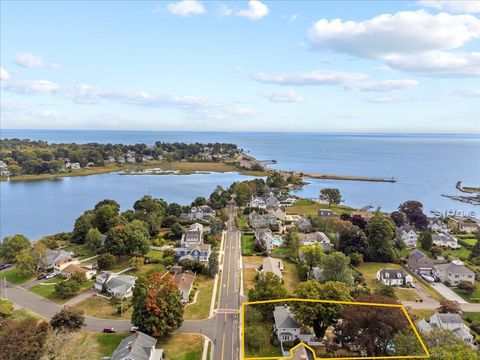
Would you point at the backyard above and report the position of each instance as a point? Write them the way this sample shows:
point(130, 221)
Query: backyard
point(201, 308)
point(14, 276)
point(182, 346)
point(248, 241)
point(103, 308)
point(47, 289)
point(473, 297)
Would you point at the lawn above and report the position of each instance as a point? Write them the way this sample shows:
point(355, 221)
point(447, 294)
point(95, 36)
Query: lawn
point(108, 342)
point(262, 335)
point(473, 297)
point(473, 316)
point(24, 314)
point(421, 313)
point(182, 346)
point(248, 241)
point(82, 251)
point(155, 254)
point(47, 289)
point(201, 309)
point(280, 252)
point(290, 277)
point(121, 263)
point(468, 241)
point(150, 269)
point(102, 308)
point(463, 253)
point(250, 264)
point(307, 207)
point(15, 277)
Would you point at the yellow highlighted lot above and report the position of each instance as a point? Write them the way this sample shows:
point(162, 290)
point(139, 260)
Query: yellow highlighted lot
point(397, 306)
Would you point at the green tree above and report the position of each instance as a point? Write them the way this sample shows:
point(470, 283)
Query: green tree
point(157, 306)
point(213, 264)
point(6, 308)
point(319, 315)
point(25, 263)
point(426, 240)
point(331, 195)
point(12, 245)
point(106, 261)
point(276, 180)
point(68, 319)
point(413, 211)
point(137, 262)
point(243, 193)
point(476, 248)
point(381, 238)
point(292, 243)
point(82, 225)
point(313, 254)
point(336, 268)
point(176, 231)
point(106, 217)
point(352, 240)
point(130, 239)
point(93, 238)
point(398, 218)
point(267, 287)
point(67, 288)
point(148, 204)
point(386, 290)
point(199, 201)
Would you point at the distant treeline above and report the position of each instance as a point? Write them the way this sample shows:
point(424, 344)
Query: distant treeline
point(39, 157)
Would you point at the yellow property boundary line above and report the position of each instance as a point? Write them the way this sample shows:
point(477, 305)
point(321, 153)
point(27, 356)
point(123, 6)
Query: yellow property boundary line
point(397, 306)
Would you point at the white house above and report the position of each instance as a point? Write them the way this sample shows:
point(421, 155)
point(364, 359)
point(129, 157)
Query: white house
point(71, 269)
point(193, 236)
point(394, 277)
point(408, 235)
point(448, 321)
point(315, 238)
point(257, 202)
point(445, 240)
point(288, 329)
point(454, 273)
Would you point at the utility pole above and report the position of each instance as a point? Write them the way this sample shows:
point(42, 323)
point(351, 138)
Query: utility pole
point(5, 284)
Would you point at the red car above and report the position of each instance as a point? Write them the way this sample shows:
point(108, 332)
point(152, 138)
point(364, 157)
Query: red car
point(110, 330)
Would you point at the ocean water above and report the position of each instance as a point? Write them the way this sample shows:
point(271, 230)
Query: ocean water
point(424, 166)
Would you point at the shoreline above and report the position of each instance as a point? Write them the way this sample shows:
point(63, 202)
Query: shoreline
point(343, 177)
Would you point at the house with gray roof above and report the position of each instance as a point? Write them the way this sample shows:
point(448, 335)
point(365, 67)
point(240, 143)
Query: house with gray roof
point(184, 283)
point(302, 352)
point(288, 329)
point(419, 262)
point(408, 235)
point(119, 286)
point(448, 321)
point(273, 265)
point(315, 238)
point(193, 236)
point(199, 253)
point(454, 273)
point(138, 346)
point(394, 277)
point(304, 225)
point(52, 257)
point(200, 213)
point(445, 240)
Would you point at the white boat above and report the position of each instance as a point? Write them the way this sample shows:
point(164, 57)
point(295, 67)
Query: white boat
point(459, 213)
point(451, 213)
point(472, 214)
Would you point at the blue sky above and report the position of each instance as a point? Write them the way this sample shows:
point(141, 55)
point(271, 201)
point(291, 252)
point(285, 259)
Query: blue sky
point(373, 66)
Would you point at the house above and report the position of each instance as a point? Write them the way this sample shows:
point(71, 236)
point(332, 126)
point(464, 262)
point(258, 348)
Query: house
point(257, 202)
point(72, 165)
point(278, 212)
point(394, 277)
point(271, 201)
point(445, 240)
point(71, 269)
point(304, 225)
point(119, 286)
point(264, 238)
point(138, 346)
point(438, 226)
point(454, 273)
point(198, 213)
point(199, 253)
point(193, 236)
point(325, 213)
point(62, 263)
point(53, 257)
point(468, 227)
point(288, 329)
point(184, 283)
point(315, 238)
point(452, 322)
point(419, 262)
point(265, 220)
point(273, 265)
point(317, 274)
point(408, 235)
point(302, 351)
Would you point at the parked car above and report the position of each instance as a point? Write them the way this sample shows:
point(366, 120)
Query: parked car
point(4, 266)
point(50, 276)
point(110, 330)
point(428, 278)
point(134, 329)
point(41, 276)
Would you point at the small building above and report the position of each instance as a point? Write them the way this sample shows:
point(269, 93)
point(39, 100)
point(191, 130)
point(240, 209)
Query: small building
point(302, 351)
point(325, 213)
point(445, 240)
point(257, 202)
point(468, 226)
point(138, 346)
point(71, 269)
point(193, 236)
point(199, 253)
point(454, 273)
point(55, 257)
point(304, 225)
point(394, 277)
point(288, 329)
point(448, 321)
point(408, 235)
point(419, 262)
point(184, 283)
point(316, 238)
point(273, 265)
point(119, 286)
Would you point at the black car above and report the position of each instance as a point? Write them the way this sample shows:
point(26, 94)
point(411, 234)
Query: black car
point(4, 266)
point(41, 276)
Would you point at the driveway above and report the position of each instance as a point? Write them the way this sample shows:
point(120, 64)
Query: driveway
point(447, 293)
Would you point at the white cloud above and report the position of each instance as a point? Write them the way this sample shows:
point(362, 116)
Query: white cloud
point(282, 96)
point(186, 8)
point(4, 74)
point(403, 39)
point(224, 10)
point(256, 10)
point(32, 86)
point(310, 78)
point(455, 6)
point(28, 60)
point(383, 85)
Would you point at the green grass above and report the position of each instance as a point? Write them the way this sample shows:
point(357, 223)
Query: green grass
point(108, 342)
point(182, 346)
point(48, 291)
point(463, 253)
point(468, 242)
point(248, 241)
point(82, 251)
point(201, 309)
point(102, 308)
point(15, 277)
point(279, 252)
point(474, 316)
point(262, 333)
point(24, 314)
point(290, 276)
point(307, 207)
point(473, 297)
point(155, 254)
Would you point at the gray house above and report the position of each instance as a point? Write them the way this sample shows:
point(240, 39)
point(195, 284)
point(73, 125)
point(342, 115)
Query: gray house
point(119, 286)
point(316, 238)
point(448, 321)
point(199, 253)
point(52, 257)
point(193, 236)
point(288, 329)
point(138, 346)
point(419, 262)
point(454, 273)
point(304, 225)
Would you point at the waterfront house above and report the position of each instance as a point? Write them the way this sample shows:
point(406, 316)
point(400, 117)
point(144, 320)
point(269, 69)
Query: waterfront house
point(454, 273)
point(184, 283)
point(198, 213)
point(438, 226)
point(193, 236)
point(119, 286)
point(288, 329)
point(448, 321)
point(304, 225)
point(273, 265)
point(445, 240)
point(71, 269)
point(199, 253)
point(265, 220)
point(394, 277)
point(325, 213)
point(316, 238)
point(419, 262)
point(408, 235)
point(55, 257)
point(138, 346)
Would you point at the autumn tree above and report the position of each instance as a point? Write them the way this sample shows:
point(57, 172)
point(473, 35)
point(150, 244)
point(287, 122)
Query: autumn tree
point(68, 319)
point(332, 196)
point(449, 306)
point(137, 262)
point(319, 315)
point(157, 306)
point(23, 339)
point(372, 328)
point(380, 239)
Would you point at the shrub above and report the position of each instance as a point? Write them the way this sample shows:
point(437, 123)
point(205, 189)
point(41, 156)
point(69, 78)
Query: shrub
point(466, 287)
point(106, 261)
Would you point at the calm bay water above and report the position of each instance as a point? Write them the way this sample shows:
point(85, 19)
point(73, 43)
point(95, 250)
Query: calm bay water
point(425, 166)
